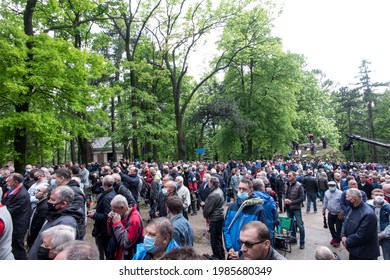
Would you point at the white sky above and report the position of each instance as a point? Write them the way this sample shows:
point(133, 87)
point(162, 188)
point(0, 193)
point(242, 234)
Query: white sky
point(335, 35)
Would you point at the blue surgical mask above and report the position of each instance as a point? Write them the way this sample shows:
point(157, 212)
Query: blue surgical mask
point(9, 188)
point(332, 189)
point(242, 195)
point(28, 170)
point(53, 183)
point(149, 244)
point(164, 191)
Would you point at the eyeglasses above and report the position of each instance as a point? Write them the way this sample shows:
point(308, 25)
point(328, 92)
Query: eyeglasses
point(248, 244)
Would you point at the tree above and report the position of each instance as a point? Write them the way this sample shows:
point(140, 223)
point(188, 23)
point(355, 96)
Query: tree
point(45, 82)
point(181, 28)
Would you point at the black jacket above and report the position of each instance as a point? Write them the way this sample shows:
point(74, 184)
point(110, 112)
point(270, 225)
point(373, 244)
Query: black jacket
point(103, 207)
point(37, 219)
point(18, 205)
point(310, 184)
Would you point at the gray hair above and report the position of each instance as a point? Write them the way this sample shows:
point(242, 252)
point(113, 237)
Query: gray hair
point(65, 193)
point(324, 253)
point(60, 235)
point(81, 250)
point(258, 185)
point(119, 200)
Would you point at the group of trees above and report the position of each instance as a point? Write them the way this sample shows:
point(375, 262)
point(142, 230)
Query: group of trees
point(74, 70)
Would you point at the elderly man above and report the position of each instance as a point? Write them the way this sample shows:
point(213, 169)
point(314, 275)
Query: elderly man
point(100, 216)
point(157, 241)
point(332, 203)
point(184, 193)
point(256, 244)
point(61, 211)
point(54, 238)
point(126, 229)
point(78, 250)
point(360, 229)
point(213, 212)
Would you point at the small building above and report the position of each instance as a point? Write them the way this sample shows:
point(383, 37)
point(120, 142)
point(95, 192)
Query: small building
point(102, 150)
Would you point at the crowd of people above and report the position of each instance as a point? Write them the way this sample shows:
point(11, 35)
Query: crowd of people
point(44, 210)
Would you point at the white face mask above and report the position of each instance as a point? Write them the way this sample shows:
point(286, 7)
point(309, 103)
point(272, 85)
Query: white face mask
point(379, 200)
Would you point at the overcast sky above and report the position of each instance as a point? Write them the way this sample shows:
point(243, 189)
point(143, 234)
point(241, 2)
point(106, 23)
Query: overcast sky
point(335, 35)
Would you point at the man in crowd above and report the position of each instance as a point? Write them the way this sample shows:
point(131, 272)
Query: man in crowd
point(256, 244)
point(38, 215)
point(157, 241)
point(213, 212)
point(184, 193)
point(360, 229)
point(236, 218)
point(126, 229)
point(78, 250)
point(294, 197)
point(382, 212)
point(332, 203)
point(364, 185)
point(61, 211)
point(18, 204)
point(100, 216)
point(183, 232)
point(53, 238)
point(310, 185)
point(270, 208)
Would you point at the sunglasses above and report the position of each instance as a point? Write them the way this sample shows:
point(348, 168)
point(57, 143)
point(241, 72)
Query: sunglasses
point(249, 245)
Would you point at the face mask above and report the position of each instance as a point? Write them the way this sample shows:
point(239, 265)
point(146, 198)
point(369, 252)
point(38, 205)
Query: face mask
point(43, 253)
point(36, 178)
point(149, 244)
point(379, 200)
point(164, 191)
point(332, 189)
point(177, 184)
point(242, 195)
point(51, 207)
point(204, 180)
point(348, 203)
point(9, 188)
point(28, 170)
point(53, 183)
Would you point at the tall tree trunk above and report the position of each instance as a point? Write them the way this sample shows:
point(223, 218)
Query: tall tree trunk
point(73, 150)
point(20, 138)
point(181, 144)
point(113, 146)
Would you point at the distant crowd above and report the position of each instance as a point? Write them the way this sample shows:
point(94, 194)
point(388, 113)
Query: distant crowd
point(44, 209)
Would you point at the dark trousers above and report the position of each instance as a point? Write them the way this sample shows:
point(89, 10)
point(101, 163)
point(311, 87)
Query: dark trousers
point(102, 244)
point(153, 208)
point(216, 239)
point(18, 248)
point(335, 226)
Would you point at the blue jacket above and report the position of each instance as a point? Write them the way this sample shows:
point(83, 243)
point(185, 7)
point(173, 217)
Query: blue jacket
point(141, 254)
point(249, 213)
point(384, 218)
point(271, 213)
point(183, 233)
